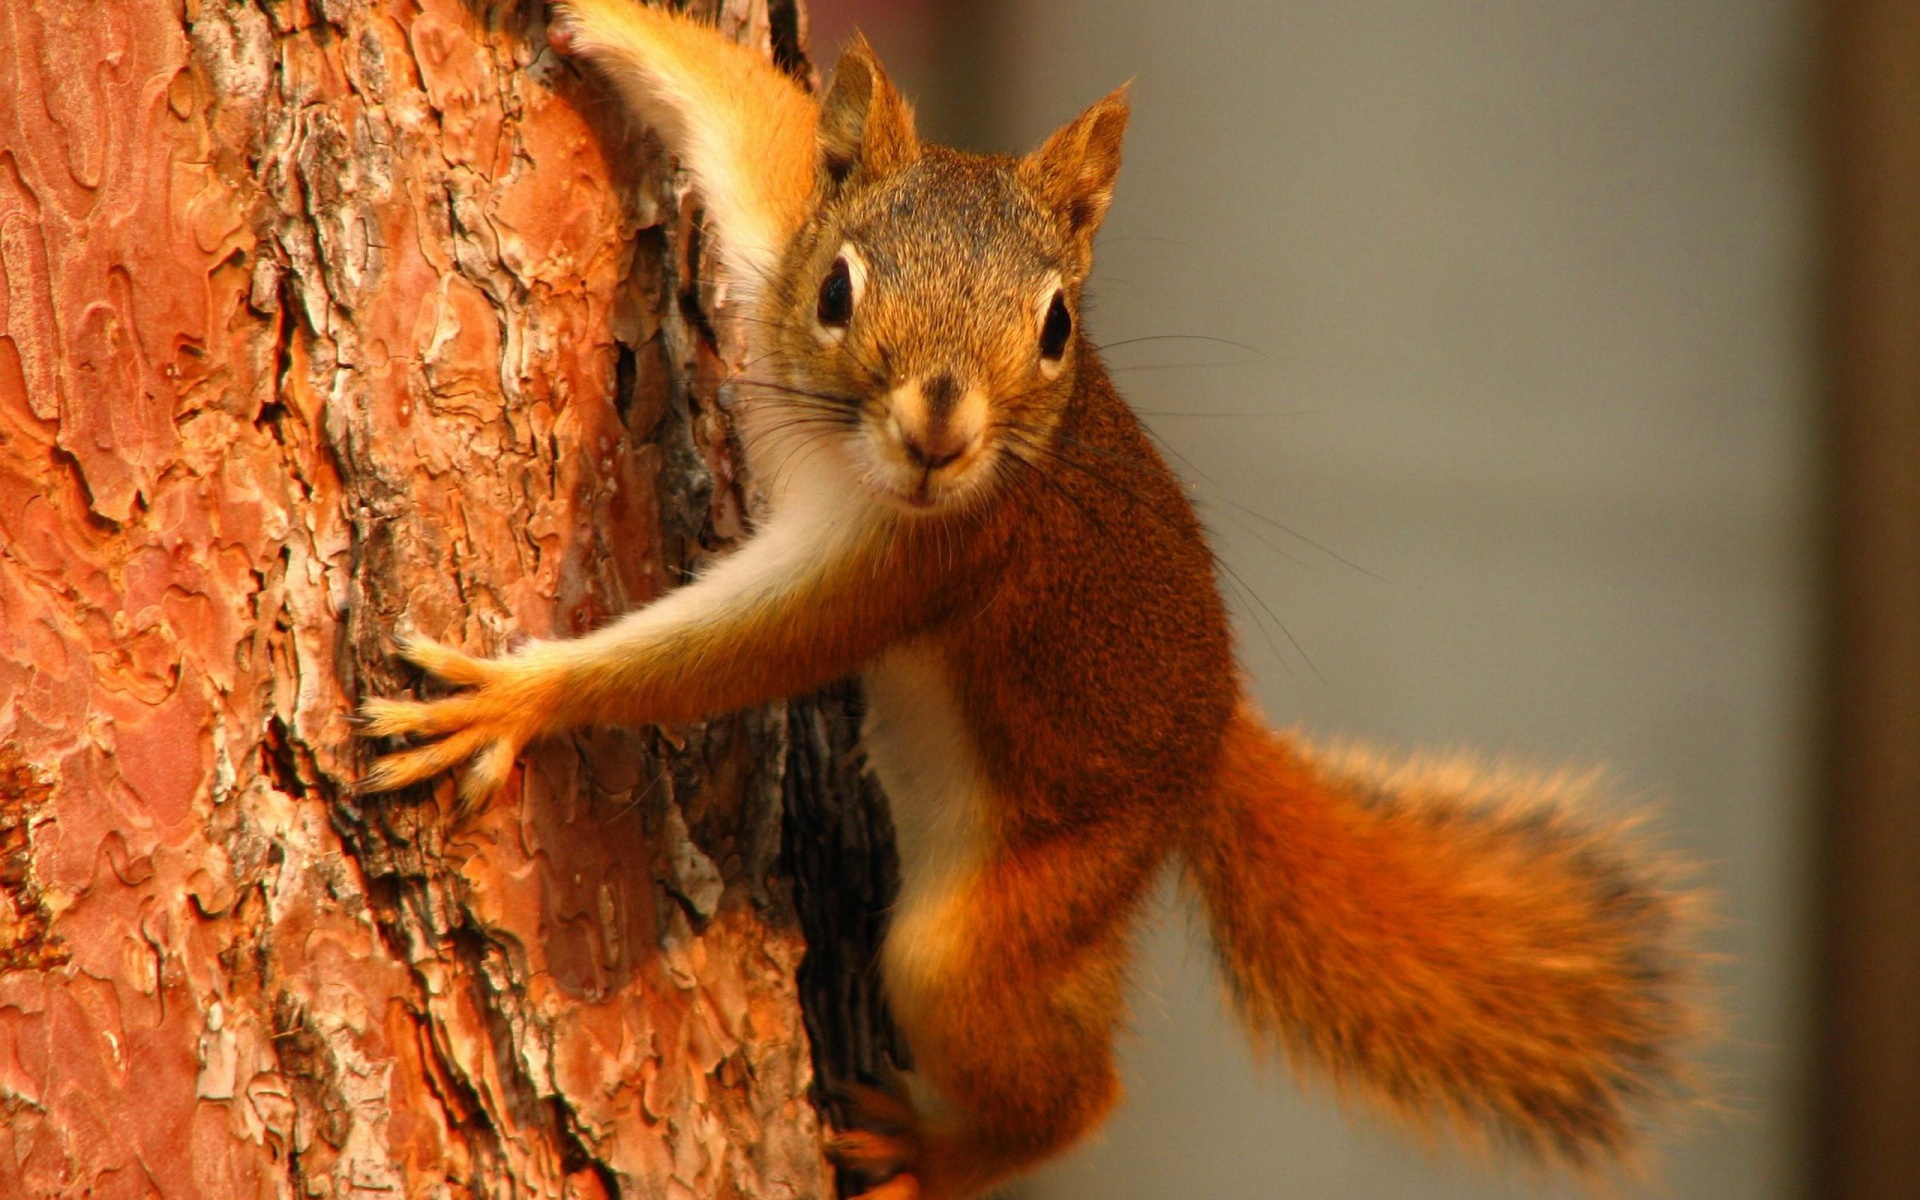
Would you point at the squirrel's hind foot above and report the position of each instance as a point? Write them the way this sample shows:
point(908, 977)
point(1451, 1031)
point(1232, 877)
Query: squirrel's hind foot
point(882, 1141)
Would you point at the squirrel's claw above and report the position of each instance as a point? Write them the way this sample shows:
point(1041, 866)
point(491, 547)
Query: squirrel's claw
point(483, 727)
point(875, 1107)
point(444, 662)
point(884, 1143)
point(563, 30)
point(870, 1153)
point(381, 717)
point(396, 771)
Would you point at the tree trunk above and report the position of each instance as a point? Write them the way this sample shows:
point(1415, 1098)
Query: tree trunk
point(325, 320)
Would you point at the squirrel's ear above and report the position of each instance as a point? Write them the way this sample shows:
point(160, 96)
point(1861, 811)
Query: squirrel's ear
point(864, 122)
point(1075, 169)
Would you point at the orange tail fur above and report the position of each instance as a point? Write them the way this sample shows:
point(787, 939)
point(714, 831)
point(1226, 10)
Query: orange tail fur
point(1450, 942)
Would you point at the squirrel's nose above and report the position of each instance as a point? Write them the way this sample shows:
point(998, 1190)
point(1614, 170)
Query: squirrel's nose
point(934, 448)
point(936, 420)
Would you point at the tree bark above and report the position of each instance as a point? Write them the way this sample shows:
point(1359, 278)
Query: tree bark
point(325, 320)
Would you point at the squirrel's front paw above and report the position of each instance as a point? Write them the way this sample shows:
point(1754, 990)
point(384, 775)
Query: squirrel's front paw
point(568, 25)
point(485, 726)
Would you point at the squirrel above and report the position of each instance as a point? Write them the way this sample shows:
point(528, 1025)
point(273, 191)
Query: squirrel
point(961, 510)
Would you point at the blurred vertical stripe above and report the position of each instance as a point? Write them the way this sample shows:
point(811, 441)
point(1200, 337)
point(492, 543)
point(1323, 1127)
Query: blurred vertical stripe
point(1869, 1113)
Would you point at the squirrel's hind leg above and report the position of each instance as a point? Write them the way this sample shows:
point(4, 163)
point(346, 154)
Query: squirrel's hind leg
point(1011, 1017)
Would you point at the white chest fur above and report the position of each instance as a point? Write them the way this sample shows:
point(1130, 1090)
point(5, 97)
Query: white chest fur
point(919, 747)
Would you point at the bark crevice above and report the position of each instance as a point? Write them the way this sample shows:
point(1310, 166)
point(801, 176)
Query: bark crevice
point(372, 323)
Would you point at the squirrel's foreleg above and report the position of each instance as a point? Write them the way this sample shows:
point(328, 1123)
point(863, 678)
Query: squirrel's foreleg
point(793, 609)
point(740, 126)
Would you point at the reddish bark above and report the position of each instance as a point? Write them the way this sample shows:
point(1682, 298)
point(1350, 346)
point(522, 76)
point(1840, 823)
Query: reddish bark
point(325, 319)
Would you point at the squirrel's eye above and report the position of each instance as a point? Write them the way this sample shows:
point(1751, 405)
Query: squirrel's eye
point(1055, 330)
point(836, 295)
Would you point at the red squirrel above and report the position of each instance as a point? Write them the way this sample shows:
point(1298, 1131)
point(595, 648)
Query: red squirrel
point(963, 512)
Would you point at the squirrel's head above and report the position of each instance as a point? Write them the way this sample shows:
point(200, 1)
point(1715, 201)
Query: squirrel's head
point(926, 321)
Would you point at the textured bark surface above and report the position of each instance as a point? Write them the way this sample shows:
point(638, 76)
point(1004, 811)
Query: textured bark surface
point(325, 319)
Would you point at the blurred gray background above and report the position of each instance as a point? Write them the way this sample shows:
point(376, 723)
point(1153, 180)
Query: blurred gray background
point(1509, 443)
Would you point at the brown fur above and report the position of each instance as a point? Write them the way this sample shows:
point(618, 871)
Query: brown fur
point(1451, 944)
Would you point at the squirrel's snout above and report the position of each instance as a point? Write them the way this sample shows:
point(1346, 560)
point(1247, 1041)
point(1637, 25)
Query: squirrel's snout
point(936, 421)
point(931, 441)
point(935, 449)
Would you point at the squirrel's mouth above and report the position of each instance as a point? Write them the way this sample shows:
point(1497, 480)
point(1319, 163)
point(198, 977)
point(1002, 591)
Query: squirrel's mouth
point(921, 494)
point(923, 490)
point(920, 482)
point(927, 442)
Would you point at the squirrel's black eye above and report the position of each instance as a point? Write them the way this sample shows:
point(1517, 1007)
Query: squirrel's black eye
point(1055, 330)
point(836, 295)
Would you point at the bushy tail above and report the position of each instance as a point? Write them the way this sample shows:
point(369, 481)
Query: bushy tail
point(1451, 942)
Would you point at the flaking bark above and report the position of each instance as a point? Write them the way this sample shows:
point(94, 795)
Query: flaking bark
point(326, 319)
